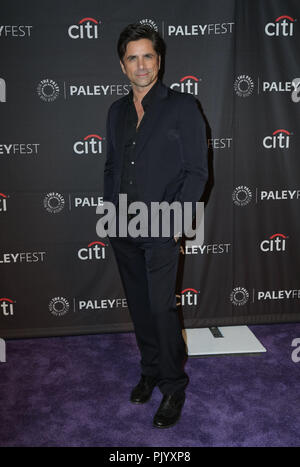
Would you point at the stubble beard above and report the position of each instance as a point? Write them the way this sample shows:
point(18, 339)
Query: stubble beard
point(141, 84)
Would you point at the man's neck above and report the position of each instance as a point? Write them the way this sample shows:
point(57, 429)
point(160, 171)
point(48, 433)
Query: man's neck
point(140, 92)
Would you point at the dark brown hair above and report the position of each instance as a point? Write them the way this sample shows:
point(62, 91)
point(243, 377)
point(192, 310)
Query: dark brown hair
point(136, 31)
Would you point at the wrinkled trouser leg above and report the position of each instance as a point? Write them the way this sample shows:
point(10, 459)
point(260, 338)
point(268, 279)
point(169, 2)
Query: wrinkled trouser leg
point(148, 272)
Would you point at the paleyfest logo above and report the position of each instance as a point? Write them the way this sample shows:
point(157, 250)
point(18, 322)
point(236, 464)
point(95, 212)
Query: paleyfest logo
point(239, 296)
point(12, 30)
point(200, 29)
point(59, 306)
point(48, 90)
point(149, 22)
point(244, 86)
point(54, 202)
point(242, 195)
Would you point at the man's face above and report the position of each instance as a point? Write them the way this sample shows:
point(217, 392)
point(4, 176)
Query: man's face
point(141, 63)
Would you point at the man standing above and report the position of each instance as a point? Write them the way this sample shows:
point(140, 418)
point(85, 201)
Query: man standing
point(156, 151)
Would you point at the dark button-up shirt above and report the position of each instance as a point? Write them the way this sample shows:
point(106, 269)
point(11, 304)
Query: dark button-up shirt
point(128, 177)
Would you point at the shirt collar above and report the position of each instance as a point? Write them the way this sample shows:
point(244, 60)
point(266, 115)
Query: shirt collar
point(149, 97)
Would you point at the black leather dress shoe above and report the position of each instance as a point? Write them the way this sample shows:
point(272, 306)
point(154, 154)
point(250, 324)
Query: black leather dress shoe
point(142, 392)
point(169, 410)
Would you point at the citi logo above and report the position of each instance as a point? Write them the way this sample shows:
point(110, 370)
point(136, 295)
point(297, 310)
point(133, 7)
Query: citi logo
point(187, 84)
point(87, 28)
point(188, 297)
point(2, 90)
point(276, 242)
point(95, 250)
point(279, 139)
point(91, 144)
point(7, 306)
point(282, 26)
point(3, 202)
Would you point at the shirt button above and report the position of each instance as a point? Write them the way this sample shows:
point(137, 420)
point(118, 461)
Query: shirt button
point(133, 143)
point(132, 162)
point(130, 182)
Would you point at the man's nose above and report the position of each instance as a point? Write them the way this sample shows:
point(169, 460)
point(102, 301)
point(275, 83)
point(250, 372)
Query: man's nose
point(141, 63)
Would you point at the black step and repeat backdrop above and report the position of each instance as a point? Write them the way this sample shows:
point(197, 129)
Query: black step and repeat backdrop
point(59, 73)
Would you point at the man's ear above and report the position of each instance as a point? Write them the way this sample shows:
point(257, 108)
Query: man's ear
point(159, 62)
point(122, 66)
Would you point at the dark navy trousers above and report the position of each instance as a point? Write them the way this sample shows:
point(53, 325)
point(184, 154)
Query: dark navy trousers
point(148, 271)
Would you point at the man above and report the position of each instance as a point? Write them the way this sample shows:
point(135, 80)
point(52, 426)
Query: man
point(156, 151)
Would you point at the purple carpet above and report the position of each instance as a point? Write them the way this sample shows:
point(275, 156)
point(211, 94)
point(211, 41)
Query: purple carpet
point(73, 391)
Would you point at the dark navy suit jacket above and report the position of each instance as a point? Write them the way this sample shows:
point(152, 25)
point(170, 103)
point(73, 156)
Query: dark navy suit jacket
point(171, 149)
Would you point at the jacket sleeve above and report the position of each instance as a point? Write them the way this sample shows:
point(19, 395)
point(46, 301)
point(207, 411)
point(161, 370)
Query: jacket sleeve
point(193, 151)
point(108, 184)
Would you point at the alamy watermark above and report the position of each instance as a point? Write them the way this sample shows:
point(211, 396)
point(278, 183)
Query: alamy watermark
point(296, 91)
point(295, 354)
point(2, 351)
point(159, 219)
